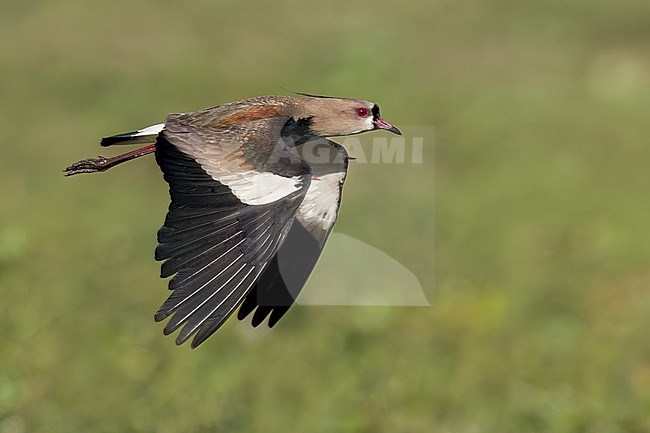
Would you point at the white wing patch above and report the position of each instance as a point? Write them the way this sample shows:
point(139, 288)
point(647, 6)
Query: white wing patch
point(321, 203)
point(228, 166)
point(255, 188)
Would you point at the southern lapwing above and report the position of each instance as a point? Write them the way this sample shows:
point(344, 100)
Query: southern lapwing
point(255, 189)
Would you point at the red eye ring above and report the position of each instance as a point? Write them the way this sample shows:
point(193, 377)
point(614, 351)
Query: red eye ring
point(362, 112)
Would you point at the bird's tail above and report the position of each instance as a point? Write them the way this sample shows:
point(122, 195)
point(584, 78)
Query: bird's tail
point(146, 135)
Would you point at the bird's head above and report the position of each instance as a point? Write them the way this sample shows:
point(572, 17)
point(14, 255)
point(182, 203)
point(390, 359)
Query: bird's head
point(330, 117)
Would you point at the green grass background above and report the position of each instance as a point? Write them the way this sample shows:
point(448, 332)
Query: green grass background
point(533, 205)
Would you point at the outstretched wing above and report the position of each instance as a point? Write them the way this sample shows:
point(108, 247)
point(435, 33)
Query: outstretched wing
point(234, 193)
point(288, 271)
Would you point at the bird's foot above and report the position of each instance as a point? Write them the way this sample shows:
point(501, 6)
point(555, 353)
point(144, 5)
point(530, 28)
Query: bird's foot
point(90, 165)
point(95, 165)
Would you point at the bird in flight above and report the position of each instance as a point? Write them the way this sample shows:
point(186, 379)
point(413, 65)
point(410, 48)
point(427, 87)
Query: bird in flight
point(255, 189)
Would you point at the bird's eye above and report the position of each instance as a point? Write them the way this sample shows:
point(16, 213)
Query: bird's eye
point(362, 112)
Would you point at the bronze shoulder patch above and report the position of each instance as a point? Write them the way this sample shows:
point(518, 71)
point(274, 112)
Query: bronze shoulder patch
point(249, 115)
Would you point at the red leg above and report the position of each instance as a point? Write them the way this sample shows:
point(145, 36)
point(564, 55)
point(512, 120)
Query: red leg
point(94, 165)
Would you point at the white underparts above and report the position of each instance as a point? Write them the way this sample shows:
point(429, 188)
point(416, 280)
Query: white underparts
point(321, 203)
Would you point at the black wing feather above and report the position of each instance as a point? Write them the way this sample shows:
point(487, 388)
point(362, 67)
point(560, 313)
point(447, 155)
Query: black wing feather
point(215, 245)
point(284, 277)
point(288, 271)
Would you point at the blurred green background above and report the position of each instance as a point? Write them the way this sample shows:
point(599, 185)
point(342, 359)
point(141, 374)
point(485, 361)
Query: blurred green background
point(538, 181)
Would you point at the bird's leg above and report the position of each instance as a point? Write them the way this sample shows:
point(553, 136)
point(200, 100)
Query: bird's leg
point(94, 165)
